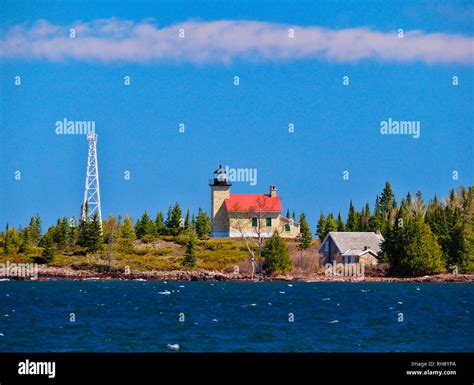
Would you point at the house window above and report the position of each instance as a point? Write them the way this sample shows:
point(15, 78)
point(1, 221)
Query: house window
point(326, 247)
point(287, 227)
point(269, 222)
point(254, 222)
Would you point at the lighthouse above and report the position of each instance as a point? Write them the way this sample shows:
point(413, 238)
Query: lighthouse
point(220, 191)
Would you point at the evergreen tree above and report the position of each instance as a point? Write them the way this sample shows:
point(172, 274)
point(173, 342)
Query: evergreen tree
point(330, 224)
point(393, 248)
point(386, 199)
point(48, 249)
point(339, 223)
point(293, 216)
point(435, 217)
point(127, 230)
point(305, 233)
point(168, 222)
point(187, 221)
point(159, 224)
point(34, 230)
point(364, 223)
point(145, 227)
point(203, 225)
point(190, 255)
point(351, 223)
point(321, 227)
point(60, 232)
point(25, 242)
point(412, 249)
point(173, 223)
point(95, 235)
point(467, 263)
point(275, 253)
point(376, 220)
point(90, 235)
point(288, 213)
point(12, 241)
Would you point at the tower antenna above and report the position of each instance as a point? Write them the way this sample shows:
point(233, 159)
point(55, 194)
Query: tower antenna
point(92, 191)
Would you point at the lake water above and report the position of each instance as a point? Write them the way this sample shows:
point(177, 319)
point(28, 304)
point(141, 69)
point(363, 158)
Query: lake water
point(137, 316)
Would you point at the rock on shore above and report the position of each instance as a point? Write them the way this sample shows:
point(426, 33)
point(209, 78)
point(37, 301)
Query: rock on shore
point(51, 272)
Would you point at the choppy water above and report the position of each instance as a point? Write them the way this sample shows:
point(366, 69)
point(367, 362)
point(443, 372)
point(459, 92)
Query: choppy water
point(136, 316)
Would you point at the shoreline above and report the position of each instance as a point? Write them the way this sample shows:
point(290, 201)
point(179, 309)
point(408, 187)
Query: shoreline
point(48, 273)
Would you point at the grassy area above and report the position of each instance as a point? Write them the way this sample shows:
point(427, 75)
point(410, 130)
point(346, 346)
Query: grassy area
point(165, 253)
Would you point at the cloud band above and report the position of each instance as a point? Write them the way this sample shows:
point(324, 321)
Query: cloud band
point(224, 41)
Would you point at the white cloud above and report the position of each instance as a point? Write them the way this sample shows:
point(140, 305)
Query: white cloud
point(223, 41)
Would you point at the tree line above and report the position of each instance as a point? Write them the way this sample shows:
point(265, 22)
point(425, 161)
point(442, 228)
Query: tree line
point(90, 236)
point(419, 238)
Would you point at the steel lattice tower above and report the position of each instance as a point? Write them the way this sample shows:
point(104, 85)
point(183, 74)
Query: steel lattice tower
point(92, 191)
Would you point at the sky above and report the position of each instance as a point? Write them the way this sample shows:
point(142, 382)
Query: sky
point(190, 80)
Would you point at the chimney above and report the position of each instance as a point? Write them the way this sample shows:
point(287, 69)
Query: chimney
point(273, 191)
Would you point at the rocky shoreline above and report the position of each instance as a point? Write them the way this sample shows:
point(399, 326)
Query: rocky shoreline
point(63, 273)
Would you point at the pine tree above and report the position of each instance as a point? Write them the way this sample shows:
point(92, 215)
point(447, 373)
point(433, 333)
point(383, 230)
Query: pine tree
point(60, 232)
point(25, 242)
point(190, 254)
point(288, 213)
point(12, 241)
point(351, 223)
point(321, 227)
point(412, 249)
point(468, 232)
point(203, 225)
point(294, 216)
point(187, 221)
point(90, 235)
point(339, 223)
point(145, 227)
point(386, 199)
point(95, 235)
point(48, 249)
point(435, 217)
point(173, 223)
point(330, 224)
point(168, 222)
point(393, 248)
point(376, 220)
point(275, 253)
point(127, 230)
point(34, 229)
point(159, 224)
point(364, 223)
point(305, 233)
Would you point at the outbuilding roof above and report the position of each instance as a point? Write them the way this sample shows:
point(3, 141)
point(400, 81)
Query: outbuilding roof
point(355, 240)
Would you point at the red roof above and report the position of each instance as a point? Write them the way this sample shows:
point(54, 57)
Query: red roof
point(253, 202)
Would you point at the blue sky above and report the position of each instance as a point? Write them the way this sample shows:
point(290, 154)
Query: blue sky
point(337, 127)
